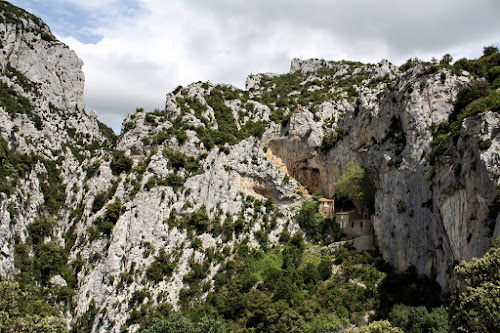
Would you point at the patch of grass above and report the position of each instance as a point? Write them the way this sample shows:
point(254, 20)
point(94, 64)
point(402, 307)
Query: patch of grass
point(271, 259)
point(312, 255)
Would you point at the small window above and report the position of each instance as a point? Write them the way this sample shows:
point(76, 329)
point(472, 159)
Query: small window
point(352, 224)
point(361, 224)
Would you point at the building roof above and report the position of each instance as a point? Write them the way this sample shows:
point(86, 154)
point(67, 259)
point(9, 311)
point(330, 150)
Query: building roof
point(326, 200)
point(349, 212)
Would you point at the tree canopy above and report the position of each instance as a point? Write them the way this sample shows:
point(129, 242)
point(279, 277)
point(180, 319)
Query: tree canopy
point(356, 184)
point(477, 307)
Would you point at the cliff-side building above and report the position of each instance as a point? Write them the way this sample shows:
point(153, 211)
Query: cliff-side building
point(354, 225)
point(327, 208)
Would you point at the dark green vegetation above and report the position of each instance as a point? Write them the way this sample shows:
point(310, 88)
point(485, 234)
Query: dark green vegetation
point(478, 96)
point(356, 184)
point(477, 308)
point(293, 288)
point(315, 226)
point(28, 309)
point(15, 166)
point(32, 303)
point(331, 138)
point(270, 287)
point(120, 163)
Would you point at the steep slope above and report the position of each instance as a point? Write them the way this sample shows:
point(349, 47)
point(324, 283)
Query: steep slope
point(46, 144)
point(156, 217)
point(215, 148)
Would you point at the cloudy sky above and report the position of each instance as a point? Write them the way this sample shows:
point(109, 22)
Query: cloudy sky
point(135, 51)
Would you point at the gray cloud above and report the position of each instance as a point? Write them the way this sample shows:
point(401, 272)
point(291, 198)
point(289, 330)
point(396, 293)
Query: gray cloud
point(149, 47)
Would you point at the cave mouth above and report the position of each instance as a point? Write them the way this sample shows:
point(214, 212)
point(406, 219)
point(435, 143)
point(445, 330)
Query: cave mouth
point(299, 165)
point(268, 190)
point(309, 178)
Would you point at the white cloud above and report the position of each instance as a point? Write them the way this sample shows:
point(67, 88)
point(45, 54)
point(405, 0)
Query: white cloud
point(148, 47)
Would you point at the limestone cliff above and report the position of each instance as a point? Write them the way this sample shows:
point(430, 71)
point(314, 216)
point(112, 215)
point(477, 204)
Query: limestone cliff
point(185, 188)
point(47, 138)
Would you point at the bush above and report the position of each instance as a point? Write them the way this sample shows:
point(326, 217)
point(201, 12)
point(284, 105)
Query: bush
point(382, 326)
point(199, 220)
point(160, 268)
point(40, 229)
point(120, 163)
point(476, 307)
point(356, 184)
point(310, 220)
point(484, 144)
point(172, 324)
point(292, 257)
point(489, 50)
point(325, 269)
point(331, 138)
point(487, 103)
point(174, 181)
point(113, 211)
point(49, 260)
point(418, 319)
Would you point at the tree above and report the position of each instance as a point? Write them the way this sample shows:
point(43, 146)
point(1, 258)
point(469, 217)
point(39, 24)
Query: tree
point(326, 323)
point(210, 325)
point(200, 220)
point(113, 211)
point(172, 324)
point(310, 274)
point(356, 184)
point(310, 220)
point(9, 294)
point(382, 326)
point(476, 308)
point(325, 269)
point(120, 163)
point(417, 319)
point(49, 260)
point(291, 321)
point(14, 303)
point(446, 60)
point(489, 50)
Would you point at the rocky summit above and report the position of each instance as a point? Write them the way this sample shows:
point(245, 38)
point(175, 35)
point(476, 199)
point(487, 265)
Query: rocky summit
point(121, 227)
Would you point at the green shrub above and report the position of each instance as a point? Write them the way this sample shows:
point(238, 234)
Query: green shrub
point(325, 269)
point(356, 183)
point(484, 144)
point(331, 138)
point(487, 103)
point(120, 163)
point(161, 268)
point(40, 229)
point(113, 211)
point(174, 181)
point(310, 220)
point(382, 326)
point(418, 319)
point(489, 50)
point(49, 260)
point(199, 220)
point(401, 208)
point(475, 308)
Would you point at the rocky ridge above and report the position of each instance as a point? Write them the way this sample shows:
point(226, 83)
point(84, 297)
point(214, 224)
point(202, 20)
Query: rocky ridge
point(220, 168)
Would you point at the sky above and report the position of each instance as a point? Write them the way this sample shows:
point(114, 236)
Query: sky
point(136, 51)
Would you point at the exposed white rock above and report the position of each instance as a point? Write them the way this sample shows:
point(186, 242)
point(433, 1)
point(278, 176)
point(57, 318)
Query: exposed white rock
point(387, 130)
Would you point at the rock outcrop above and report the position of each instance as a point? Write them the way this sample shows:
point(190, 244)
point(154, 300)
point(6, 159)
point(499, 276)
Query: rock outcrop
point(221, 167)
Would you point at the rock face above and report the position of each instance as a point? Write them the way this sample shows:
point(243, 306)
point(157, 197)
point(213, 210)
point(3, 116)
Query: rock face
point(219, 167)
point(42, 124)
